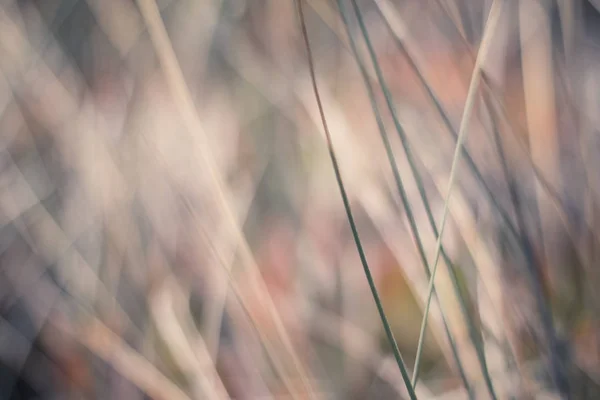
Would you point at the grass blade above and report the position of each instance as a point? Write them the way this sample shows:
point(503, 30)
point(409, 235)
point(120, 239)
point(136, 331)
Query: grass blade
point(346, 201)
point(475, 79)
point(394, 166)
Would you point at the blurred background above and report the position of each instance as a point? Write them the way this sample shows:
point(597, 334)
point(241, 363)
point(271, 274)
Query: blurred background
point(172, 226)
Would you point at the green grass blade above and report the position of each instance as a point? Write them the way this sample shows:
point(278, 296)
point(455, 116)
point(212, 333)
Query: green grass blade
point(418, 179)
point(348, 210)
point(400, 186)
point(473, 334)
point(474, 84)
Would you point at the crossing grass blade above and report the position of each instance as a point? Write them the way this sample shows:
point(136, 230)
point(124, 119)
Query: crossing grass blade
point(348, 210)
point(471, 96)
point(394, 167)
point(444, 115)
point(473, 334)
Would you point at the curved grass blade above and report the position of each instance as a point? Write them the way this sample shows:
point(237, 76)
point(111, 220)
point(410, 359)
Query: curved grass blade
point(474, 84)
point(418, 180)
point(508, 223)
point(348, 210)
point(399, 184)
point(473, 334)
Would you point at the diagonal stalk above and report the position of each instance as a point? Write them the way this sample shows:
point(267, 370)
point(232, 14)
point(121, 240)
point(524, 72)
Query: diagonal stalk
point(473, 86)
point(446, 120)
point(418, 180)
point(472, 330)
point(398, 180)
point(348, 210)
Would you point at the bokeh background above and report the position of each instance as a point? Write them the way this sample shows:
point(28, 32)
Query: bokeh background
point(172, 226)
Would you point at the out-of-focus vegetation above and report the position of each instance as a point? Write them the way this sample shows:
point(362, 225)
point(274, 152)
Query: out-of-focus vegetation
point(172, 227)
